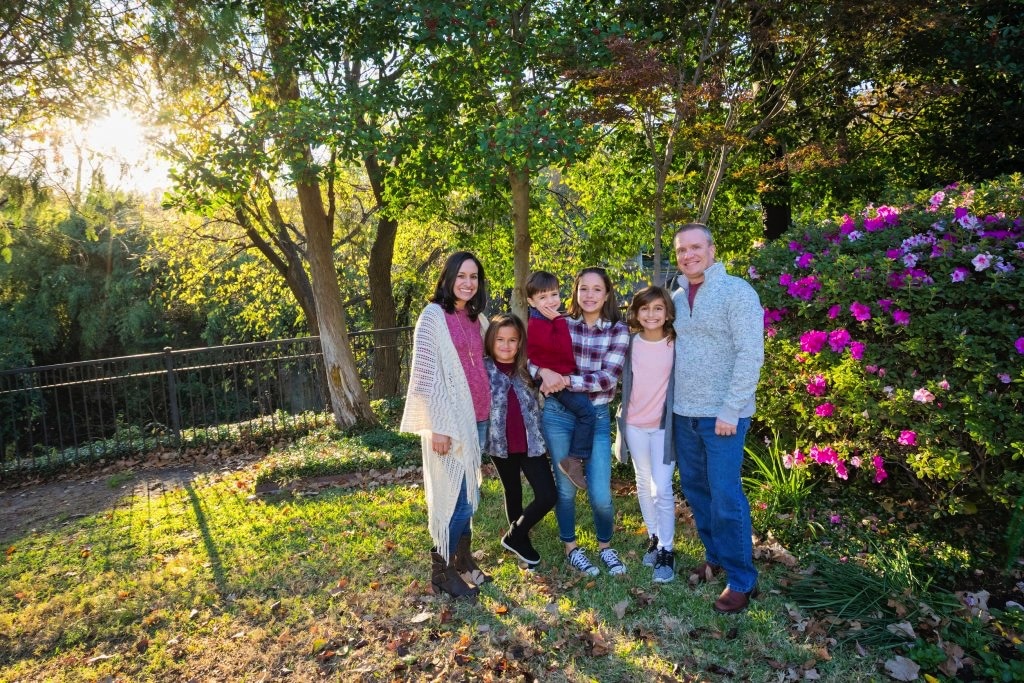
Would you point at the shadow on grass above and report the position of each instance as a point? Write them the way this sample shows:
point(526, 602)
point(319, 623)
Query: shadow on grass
point(216, 564)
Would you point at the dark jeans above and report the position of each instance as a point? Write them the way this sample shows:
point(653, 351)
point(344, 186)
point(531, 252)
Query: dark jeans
point(582, 410)
point(538, 473)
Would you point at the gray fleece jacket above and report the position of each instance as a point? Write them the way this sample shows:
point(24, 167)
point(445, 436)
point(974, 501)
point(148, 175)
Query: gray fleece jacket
point(719, 347)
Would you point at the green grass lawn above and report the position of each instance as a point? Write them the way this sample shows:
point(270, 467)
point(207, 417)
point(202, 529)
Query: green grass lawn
point(208, 581)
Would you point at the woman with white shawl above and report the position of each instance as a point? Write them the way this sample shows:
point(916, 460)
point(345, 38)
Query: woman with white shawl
point(448, 404)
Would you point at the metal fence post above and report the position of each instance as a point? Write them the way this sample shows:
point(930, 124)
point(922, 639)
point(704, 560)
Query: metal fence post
point(172, 395)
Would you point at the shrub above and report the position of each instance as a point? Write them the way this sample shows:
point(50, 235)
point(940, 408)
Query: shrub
point(895, 342)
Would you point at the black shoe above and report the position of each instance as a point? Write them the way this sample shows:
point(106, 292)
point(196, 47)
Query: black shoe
point(519, 545)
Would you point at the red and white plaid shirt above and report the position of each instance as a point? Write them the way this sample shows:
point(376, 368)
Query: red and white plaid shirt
point(600, 356)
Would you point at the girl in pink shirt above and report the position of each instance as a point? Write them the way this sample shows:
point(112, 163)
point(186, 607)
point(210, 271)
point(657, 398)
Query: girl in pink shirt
point(645, 422)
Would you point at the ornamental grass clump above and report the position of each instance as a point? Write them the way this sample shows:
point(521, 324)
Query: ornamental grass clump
point(895, 343)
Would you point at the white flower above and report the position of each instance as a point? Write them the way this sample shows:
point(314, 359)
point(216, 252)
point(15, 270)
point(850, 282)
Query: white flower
point(855, 235)
point(982, 261)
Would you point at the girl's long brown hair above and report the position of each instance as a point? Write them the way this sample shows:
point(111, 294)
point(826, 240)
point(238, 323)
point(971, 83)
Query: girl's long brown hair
point(610, 310)
point(646, 296)
point(519, 362)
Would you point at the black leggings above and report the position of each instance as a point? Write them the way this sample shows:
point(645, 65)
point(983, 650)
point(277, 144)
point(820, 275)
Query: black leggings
point(538, 473)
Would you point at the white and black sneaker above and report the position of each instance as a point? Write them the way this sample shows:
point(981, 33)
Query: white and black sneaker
point(612, 561)
point(579, 561)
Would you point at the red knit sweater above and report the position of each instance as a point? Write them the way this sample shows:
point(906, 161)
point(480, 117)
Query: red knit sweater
point(549, 345)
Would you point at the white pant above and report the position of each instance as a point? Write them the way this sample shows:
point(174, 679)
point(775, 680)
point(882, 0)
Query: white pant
point(653, 482)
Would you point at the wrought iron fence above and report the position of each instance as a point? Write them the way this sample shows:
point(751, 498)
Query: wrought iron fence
point(91, 410)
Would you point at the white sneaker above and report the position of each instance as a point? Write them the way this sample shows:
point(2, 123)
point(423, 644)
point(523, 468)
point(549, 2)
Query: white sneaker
point(612, 561)
point(579, 561)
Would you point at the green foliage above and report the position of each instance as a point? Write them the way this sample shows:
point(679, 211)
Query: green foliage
point(74, 288)
point(776, 491)
point(929, 379)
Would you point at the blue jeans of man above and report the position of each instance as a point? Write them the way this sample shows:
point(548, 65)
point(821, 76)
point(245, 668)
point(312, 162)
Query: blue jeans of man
point(558, 425)
point(709, 473)
point(462, 516)
point(582, 409)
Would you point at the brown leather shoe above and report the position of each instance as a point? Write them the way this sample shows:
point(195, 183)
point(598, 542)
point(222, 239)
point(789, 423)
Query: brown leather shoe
point(573, 469)
point(705, 571)
point(732, 602)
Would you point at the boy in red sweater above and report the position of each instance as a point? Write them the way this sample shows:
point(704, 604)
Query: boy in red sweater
point(549, 345)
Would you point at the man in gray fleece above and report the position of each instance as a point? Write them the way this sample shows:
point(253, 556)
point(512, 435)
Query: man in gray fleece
point(719, 352)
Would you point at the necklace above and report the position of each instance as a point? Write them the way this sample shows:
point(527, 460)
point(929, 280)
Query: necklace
point(465, 338)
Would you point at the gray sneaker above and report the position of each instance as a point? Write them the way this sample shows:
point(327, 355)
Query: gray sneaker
point(664, 566)
point(612, 561)
point(651, 554)
point(579, 561)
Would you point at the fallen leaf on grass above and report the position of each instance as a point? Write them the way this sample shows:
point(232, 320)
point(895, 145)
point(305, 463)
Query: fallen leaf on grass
point(420, 618)
point(501, 609)
point(620, 608)
point(597, 645)
point(902, 629)
point(98, 658)
point(902, 669)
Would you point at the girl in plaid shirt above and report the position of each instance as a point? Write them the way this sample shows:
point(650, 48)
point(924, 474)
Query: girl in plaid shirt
point(599, 342)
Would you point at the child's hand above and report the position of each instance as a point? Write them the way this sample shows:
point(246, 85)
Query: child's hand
point(547, 303)
point(441, 443)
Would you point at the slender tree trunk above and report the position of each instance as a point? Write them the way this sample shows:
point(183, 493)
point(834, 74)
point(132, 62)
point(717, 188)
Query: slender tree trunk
point(349, 401)
point(387, 369)
point(519, 182)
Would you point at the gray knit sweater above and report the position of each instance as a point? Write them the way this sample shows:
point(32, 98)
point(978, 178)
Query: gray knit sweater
point(719, 347)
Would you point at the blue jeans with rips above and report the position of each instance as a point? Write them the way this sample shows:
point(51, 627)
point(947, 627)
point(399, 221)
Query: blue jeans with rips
point(558, 425)
point(462, 516)
point(709, 473)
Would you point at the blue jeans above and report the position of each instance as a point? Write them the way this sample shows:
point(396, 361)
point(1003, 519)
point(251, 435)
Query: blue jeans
point(558, 426)
point(462, 516)
point(583, 411)
point(709, 473)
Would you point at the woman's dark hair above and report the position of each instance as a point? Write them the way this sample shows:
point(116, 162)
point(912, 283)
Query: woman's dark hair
point(610, 310)
point(519, 362)
point(444, 291)
point(646, 296)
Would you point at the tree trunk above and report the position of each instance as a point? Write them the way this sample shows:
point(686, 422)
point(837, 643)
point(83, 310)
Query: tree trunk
point(387, 368)
point(348, 398)
point(659, 227)
point(519, 182)
point(349, 401)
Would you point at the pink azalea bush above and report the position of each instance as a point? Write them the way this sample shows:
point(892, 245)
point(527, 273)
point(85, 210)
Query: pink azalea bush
point(895, 342)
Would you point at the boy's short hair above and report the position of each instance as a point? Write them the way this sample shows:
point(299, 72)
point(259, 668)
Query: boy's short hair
point(540, 281)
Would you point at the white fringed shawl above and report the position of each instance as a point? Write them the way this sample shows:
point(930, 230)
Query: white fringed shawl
point(438, 400)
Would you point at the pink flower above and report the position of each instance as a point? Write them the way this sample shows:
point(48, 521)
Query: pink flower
point(861, 312)
point(960, 212)
point(841, 470)
point(857, 350)
point(817, 386)
point(838, 340)
point(847, 225)
point(833, 312)
point(813, 341)
point(752, 273)
point(785, 279)
point(907, 438)
point(893, 253)
point(836, 519)
point(901, 317)
point(1019, 345)
point(804, 288)
point(855, 461)
point(804, 260)
point(825, 410)
point(924, 396)
point(879, 465)
point(885, 304)
point(773, 315)
point(795, 246)
point(959, 274)
point(982, 261)
point(944, 385)
point(871, 369)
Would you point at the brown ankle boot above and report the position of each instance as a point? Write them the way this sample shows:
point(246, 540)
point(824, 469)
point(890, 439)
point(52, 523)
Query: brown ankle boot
point(444, 578)
point(465, 563)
